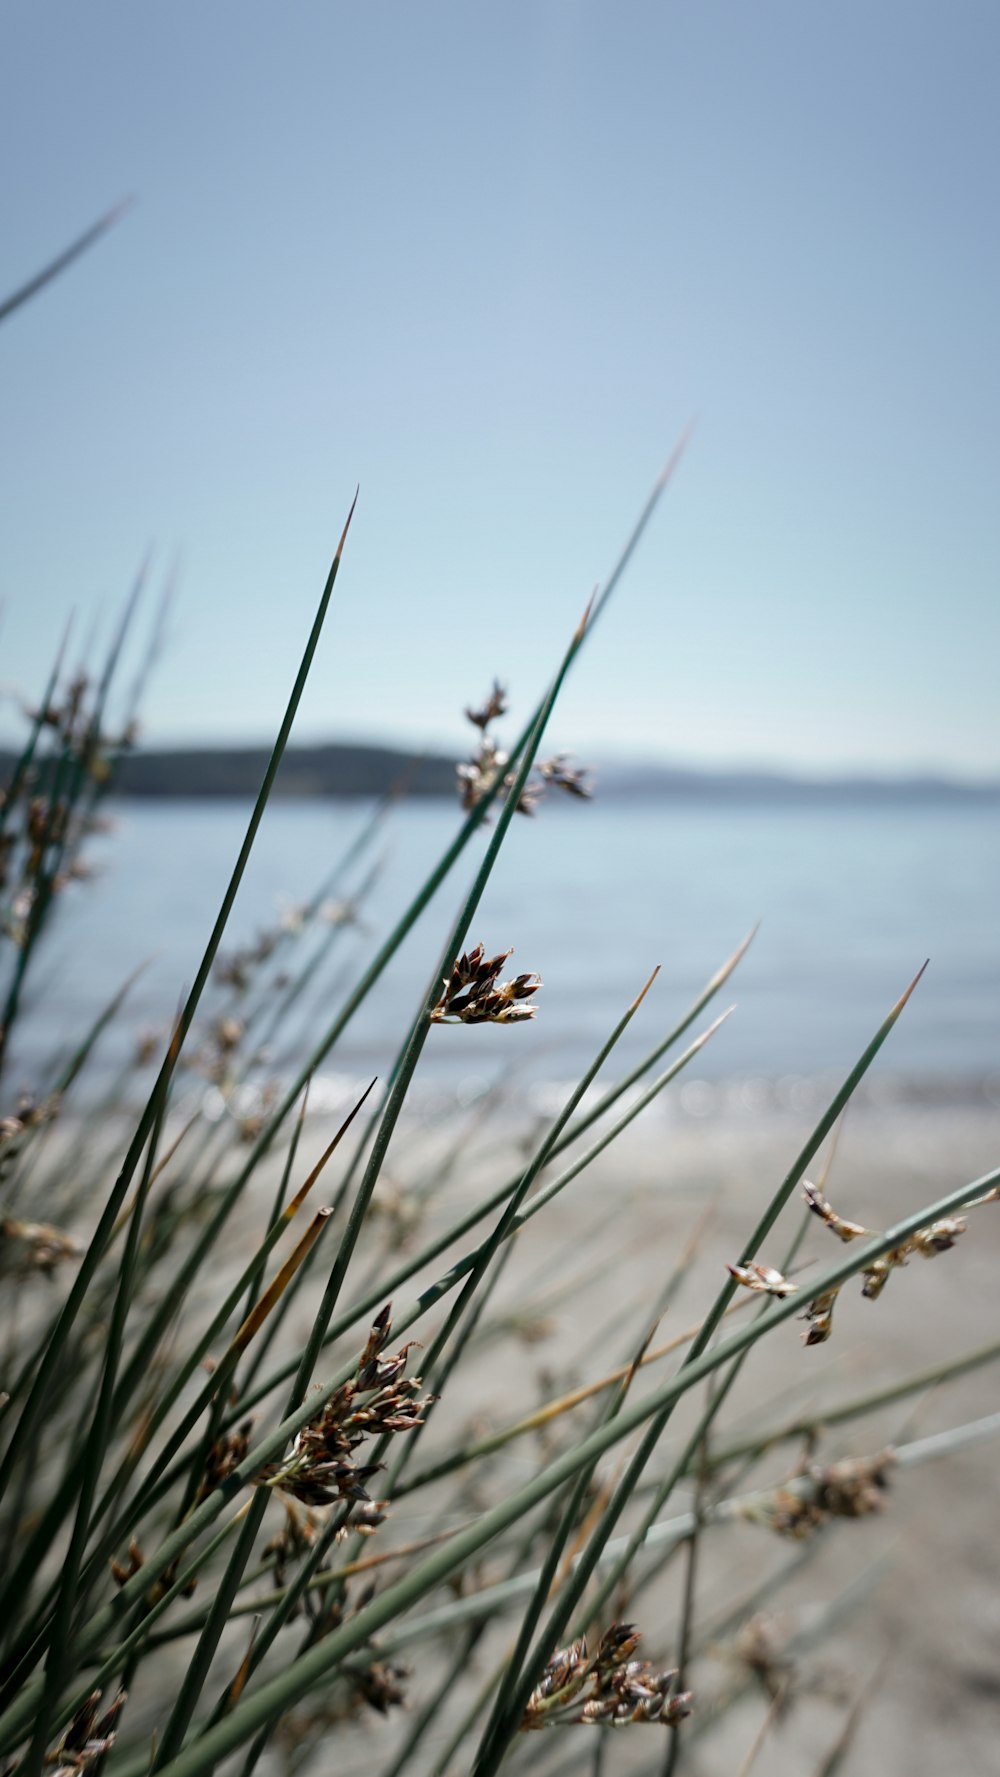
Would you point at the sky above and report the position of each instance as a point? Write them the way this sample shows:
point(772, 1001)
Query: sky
point(489, 263)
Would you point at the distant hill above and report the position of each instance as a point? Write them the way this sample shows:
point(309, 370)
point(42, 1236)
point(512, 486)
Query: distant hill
point(334, 770)
point(342, 769)
point(653, 782)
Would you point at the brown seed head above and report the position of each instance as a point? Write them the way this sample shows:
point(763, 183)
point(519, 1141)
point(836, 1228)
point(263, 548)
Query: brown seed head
point(612, 1689)
point(473, 994)
point(837, 1224)
point(494, 706)
point(558, 772)
point(378, 1400)
point(819, 1313)
point(763, 1278)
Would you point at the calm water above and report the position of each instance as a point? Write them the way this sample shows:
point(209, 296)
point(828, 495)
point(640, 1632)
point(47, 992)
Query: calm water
point(851, 902)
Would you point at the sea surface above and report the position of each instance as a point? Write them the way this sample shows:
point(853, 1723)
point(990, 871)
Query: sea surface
point(851, 900)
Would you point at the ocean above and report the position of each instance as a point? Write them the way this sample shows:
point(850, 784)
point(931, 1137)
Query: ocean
point(851, 900)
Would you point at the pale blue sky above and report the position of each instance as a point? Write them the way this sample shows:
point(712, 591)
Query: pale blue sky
point(488, 261)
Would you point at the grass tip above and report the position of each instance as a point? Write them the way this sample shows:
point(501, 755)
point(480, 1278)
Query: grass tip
point(581, 628)
point(667, 472)
point(714, 1026)
point(640, 996)
point(904, 996)
point(343, 534)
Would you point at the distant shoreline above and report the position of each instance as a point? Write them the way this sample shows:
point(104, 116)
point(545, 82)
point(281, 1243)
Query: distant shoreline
point(340, 769)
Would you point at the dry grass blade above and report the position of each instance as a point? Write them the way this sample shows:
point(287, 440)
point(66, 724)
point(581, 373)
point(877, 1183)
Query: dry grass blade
point(275, 1289)
point(235, 1690)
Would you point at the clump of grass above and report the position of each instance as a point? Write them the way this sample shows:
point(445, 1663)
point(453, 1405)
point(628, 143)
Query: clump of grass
point(195, 1434)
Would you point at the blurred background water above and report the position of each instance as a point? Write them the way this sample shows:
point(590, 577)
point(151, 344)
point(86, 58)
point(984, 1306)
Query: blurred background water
point(851, 900)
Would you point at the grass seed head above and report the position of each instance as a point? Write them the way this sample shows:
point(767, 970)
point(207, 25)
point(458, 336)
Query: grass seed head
point(558, 772)
point(762, 1278)
point(473, 993)
point(492, 707)
point(225, 1455)
point(294, 1540)
point(939, 1237)
point(843, 1229)
point(611, 1690)
point(877, 1274)
point(477, 776)
point(853, 1488)
point(819, 1314)
point(487, 769)
point(34, 1247)
point(88, 1739)
point(378, 1400)
point(760, 1648)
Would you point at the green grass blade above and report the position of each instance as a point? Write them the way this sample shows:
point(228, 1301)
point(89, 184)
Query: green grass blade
point(847, 1411)
point(384, 955)
point(565, 1606)
point(288, 1688)
point(64, 259)
point(461, 1267)
point(24, 760)
point(102, 1233)
point(507, 1708)
point(197, 1669)
point(422, 1024)
point(68, 1599)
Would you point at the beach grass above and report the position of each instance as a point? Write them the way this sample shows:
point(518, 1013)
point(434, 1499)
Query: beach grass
point(241, 1515)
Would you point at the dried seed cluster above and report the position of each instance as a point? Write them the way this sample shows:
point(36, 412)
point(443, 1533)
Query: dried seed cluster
point(488, 765)
point(492, 707)
point(936, 1238)
point(382, 1685)
point(850, 1489)
point(32, 1113)
point(320, 1467)
point(89, 1737)
point(558, 772)
point(613, 1689)
point(225, 1455)
point(759, 1648)
point(763, 1278)
point(47, 810)
point(472, 993)
point(27, 1247)
point(236, 969)
point(123, 1571)
point(294, 1540)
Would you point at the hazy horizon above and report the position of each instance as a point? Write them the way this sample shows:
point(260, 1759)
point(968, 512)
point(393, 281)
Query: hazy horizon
point(489, 267)
point(619, 763)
